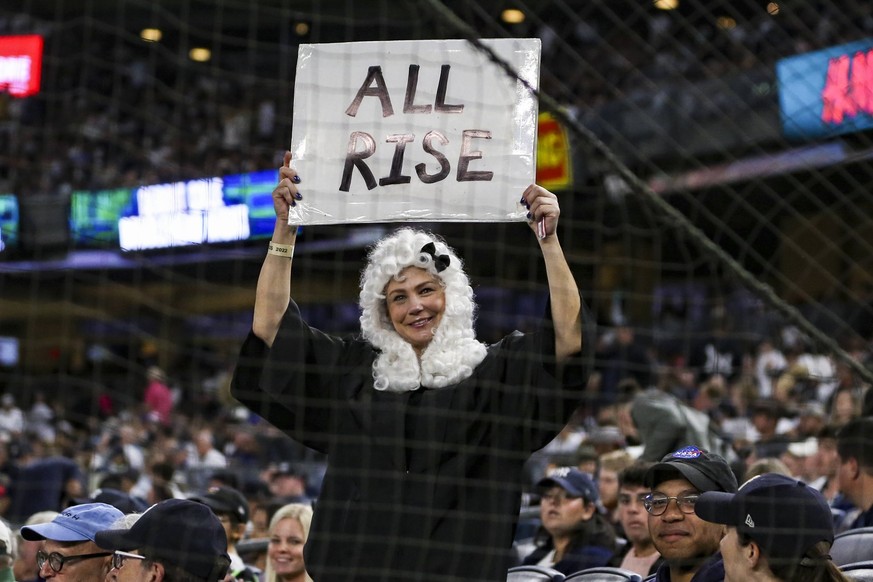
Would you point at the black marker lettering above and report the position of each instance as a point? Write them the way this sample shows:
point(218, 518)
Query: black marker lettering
point(465, 175)
point(374, 75)
point(445, 167)
point(397, 161)
point(356, 159)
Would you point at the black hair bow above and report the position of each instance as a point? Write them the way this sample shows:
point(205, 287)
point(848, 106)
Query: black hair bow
point(441, 262)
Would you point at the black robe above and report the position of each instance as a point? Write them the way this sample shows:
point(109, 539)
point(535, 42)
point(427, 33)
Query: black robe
point(421, 485)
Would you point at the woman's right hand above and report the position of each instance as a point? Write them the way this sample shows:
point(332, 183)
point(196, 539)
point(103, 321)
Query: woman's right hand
point(286, 194)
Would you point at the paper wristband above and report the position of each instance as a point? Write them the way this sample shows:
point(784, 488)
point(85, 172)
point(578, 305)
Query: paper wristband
point(286, 251)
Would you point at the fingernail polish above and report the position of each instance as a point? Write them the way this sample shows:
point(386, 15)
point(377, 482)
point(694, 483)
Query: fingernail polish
point(295, 179)
point(298, 196)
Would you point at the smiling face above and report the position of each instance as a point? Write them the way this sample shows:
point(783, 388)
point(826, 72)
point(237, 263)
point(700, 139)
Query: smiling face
point(736, 566)
point(285, 550)
point(416, 302)
point(682, 537)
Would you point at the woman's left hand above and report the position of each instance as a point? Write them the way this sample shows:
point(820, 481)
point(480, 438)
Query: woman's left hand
point(542, 208)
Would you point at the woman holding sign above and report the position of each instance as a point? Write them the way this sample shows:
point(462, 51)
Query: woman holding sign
point(426, 429)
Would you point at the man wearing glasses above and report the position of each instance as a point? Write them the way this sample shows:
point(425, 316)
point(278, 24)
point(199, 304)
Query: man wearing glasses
point(688, 544)
point(68, 552)
point(176, 539)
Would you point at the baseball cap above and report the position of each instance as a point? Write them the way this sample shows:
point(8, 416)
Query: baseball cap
point(784, 516)
point(179, 532)
point(706, 471)
point(223, 499)
point(573, 481)
point(79, 523)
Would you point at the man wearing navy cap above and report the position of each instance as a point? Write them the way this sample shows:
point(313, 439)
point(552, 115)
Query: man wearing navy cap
point(176, 539)
point(778, 529)
point(232, 509)
point(574, 534)
point(68, 551)
point(688, 544)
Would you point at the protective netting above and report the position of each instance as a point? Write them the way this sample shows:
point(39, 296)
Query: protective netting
point(716, 217)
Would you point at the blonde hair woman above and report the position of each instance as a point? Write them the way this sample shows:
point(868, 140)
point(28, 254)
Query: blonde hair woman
point(288, 531)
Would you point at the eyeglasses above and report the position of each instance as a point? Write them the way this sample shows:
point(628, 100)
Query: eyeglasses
point(118, 558)
point(627, 498)
point(558, 497)
point(56, 561)
point(656, 503)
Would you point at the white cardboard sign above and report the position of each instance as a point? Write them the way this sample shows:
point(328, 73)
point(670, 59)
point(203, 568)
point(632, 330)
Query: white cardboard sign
point(414, 131)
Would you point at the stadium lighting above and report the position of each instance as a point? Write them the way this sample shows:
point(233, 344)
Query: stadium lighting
point(301, 28)
point(666, 4)
point(726, 23)
point(512, 16)
point(200, 54)
point(151, 34)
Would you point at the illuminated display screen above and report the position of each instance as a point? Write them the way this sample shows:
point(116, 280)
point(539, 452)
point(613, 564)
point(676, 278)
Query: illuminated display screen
point(20, 64)
point(206, 211)
point(94, 216)
point(8, 222)
point(255, 190)
point(827, 92)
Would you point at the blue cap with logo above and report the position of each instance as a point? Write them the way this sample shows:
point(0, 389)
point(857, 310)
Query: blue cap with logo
point(79, 523)
point(573, 481)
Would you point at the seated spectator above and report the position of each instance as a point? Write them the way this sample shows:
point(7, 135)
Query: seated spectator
point(7, 553)
point(25, 568)
point(177, 539)
point(778, 529)
point(639, 553)
point(766, 415)
point(68, 549)
point(688, 544)
point(855, 447)
point(232, 509)
point(766, 465)
point(288, 483)
point(828, 462)
point(574, 535)
point(607, 481)
point(289, 529)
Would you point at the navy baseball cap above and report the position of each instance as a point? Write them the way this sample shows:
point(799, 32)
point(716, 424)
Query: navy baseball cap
point(79, 523)
point(225, 500)
point(706, 471)
point(573, 481)
point(784, 516)
point(180, 532)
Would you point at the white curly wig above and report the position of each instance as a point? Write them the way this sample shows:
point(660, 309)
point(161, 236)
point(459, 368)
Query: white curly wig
point(454, 352)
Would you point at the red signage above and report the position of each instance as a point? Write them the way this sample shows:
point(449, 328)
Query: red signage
point(849, 87)
point(554, 164)
point(20, 64)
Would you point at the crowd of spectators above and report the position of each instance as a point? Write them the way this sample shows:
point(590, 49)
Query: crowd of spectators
point(110, 117)
point(774, 405)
